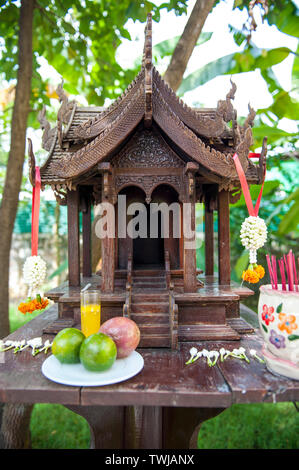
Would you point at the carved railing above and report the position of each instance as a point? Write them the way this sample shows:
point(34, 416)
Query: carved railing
point(167, 269)
point(173, 318)
point(173, 308)
point(127, 304)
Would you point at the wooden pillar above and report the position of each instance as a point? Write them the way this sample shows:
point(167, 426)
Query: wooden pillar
point(108, 264)
point(73, 237)
point(223, 238)
point(209, 240)
point(108, 242)
point(86, 236)
point(189, 224)
point(190, 280)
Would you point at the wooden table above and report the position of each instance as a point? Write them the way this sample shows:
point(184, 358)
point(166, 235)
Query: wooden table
point(162, 407)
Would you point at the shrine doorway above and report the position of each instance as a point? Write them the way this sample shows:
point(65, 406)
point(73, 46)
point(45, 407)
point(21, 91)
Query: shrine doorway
point(148, 252)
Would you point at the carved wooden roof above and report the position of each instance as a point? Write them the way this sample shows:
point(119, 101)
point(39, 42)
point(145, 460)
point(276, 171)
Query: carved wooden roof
point(85, 136)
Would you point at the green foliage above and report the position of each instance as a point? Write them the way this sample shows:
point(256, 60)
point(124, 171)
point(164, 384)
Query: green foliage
point(80, 41)
point(166, 48)
point(284, 15)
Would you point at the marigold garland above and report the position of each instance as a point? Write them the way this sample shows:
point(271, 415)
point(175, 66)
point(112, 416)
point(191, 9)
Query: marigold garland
point(253, 274)
point(34, 272)
point(32, 305)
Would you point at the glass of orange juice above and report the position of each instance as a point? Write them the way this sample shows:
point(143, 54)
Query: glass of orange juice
point(90, 312)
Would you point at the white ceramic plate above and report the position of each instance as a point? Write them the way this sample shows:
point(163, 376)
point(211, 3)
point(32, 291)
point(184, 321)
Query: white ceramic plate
point(77, 375)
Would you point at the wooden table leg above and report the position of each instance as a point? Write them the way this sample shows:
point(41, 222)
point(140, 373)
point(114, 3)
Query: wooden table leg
point(106, 425)
point(181, 426)
point(144, 427)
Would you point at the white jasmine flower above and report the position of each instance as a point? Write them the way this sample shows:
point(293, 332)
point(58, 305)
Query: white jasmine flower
point(19, 346)
point(198, 355)
point(205, 353)
point(215, 355)
point(35, 343)
point(193, 352)
point(253, 353)
point(223, 352)
point(253, 235)
point(8, 344)
point(47, 345)
point(239, 354)
point(34, 272)
point(208, 355)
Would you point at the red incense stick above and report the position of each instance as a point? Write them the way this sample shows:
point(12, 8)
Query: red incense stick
point(291, 275)
point(270, 271)
point(282, 274)
point(295, 272)
point(274, 270)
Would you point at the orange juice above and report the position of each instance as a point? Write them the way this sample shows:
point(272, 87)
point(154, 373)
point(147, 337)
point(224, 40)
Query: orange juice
point(90, 319)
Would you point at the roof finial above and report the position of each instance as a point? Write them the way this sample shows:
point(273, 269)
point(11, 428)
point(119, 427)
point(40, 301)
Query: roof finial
point(147, 64)
point(147, 49)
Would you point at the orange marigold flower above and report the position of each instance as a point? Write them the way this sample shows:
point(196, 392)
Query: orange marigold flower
point(32, 305)
point(250, 276)
point(287, 323)
point(259, 271)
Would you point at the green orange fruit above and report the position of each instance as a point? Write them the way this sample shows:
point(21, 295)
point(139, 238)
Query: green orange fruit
point(66, 345)
point(98, 352)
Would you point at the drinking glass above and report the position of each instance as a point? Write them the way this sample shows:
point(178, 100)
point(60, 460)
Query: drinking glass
point(90, 312)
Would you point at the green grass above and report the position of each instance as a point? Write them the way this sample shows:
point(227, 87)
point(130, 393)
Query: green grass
point(56, 427)
point(255, 426)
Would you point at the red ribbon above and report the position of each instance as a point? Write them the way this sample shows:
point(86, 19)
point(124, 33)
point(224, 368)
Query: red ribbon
point(254, 155)
point(253, 211)
point(35, 212)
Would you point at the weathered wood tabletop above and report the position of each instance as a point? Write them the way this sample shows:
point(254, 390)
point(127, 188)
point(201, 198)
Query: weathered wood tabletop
point(160, 395)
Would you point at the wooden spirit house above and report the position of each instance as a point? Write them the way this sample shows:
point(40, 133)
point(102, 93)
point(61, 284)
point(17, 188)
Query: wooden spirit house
point(152, 148)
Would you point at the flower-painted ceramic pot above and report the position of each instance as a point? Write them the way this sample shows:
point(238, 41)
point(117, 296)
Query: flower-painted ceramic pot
point(278, 313)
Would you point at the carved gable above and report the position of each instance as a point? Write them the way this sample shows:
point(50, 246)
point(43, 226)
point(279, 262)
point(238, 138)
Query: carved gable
point(147, 149)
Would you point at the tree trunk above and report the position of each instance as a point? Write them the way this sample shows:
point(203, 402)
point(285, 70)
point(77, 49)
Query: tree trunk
point(184, 48)
point(15, 162)
point(15, 417)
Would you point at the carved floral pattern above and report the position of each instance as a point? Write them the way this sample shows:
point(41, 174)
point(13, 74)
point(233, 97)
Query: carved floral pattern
point(147, 150)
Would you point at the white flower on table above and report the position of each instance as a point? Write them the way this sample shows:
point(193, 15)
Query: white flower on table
point(238, 353)
point(8, 344)
point(34, 344)
point(253, 353)
point(46, 346)
point(214, 354)
point(193, 352)
point(223, 352)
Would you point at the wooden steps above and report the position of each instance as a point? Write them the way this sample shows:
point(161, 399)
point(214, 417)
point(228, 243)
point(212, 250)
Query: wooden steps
point(150, 308)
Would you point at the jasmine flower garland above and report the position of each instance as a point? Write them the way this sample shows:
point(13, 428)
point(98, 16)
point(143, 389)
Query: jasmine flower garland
point(34, 273)
point(253, 235)
point(253, 232)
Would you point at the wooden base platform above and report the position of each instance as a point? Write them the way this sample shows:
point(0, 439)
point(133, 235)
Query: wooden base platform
point(211, 313)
